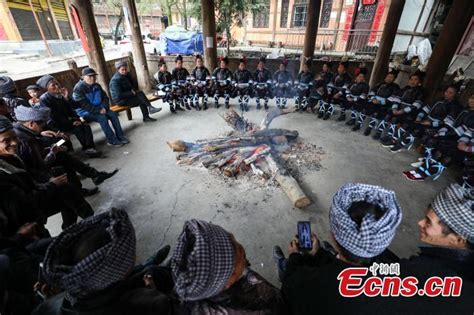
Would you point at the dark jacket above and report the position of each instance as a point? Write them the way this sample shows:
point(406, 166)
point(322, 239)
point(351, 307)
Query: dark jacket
point(62, 111)
point(251, 295)
point(359, 89)
point(13, 101)
point(36, 158)
point(340, 80)
point(21, 198)
point(221, 74)
point(305, 77)
point(386, 90)
point(91, 98)
point(411, 94)
point(242, 76)
point(180, 74)
point(439, 111)
point(282, 76)
point(162, 78)
point(121, 87)
point(326, 77)
point(201, 73)
point(262, 75)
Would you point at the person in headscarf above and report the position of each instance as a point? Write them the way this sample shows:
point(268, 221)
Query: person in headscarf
point(8, 92)
point(201, 80)
point(212, 275)
point(42, 161)
point(263, 83)
point(282, 80)
point(124, 91)
point(222, 78)
point(63, 116)
point(363, 220)
point(447, 229)
point(92, 262)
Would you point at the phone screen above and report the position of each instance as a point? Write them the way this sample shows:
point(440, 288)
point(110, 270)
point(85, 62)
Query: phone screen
point(304, 235)
point(60, 142)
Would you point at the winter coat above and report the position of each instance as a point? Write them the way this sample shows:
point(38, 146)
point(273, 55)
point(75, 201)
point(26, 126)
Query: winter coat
point(92, 98)
point(341, 80)
point(305, 77)
point(200, 73)
point(242, 76)
point(262, 76)
point(282, 77)
point(221, 74)
point(326, 77)
point(180, 74)
point(63, 113)
point(359, 89)
point(121, 87)
point(251, 295)
point(439, 111)
point(386, 90)
point(12, 102)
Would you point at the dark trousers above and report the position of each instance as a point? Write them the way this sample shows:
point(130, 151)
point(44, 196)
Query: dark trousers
point(84, 135)
point(140, 100)
point(103, 120)
point(72, 166)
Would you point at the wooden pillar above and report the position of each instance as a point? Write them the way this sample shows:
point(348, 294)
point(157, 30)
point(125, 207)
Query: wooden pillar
point(454, 26)
point(274, 6)
point(138, 51)
point(209, 33)
point(40, 28)
point(386, 43)
point(314, 8)
point(55, 21)
point(69, 17)
point(94, 51)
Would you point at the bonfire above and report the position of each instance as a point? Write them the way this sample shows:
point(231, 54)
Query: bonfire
point(248, 148)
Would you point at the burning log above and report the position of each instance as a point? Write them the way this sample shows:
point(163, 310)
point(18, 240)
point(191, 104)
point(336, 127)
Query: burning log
point(289, 185)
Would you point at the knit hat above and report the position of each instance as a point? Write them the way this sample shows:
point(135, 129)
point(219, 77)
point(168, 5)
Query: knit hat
point(121, 63)
point(99, 270)
point(6, 85)
point(373, 236)
point(44, 81)
point(455, 209)
point(203, 260)
point(24, 113)
point(5, 124)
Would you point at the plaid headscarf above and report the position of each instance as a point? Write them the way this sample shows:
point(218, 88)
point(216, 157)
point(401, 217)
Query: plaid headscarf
point(203, 260)
point(373, 236)
point(456, 210)
point(103, 267)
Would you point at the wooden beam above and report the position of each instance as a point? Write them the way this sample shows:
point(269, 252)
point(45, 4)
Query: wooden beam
point(314, 8)
point(138, 51)
point(209, 33)
point(55, 21)
point(40, 28)
point(382, 58)
point(454, 26)
point(94, 51)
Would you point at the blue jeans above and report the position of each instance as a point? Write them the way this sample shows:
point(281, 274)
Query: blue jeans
point(103, 120)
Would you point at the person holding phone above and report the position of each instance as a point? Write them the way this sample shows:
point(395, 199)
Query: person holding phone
point(310, 278)
point(40, 159)
point(94, 106)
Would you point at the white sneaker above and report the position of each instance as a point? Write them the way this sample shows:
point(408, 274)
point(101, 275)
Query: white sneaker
point(417, 164)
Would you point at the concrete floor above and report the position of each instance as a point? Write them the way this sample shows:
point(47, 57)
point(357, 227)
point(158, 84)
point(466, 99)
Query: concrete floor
point(160, 196)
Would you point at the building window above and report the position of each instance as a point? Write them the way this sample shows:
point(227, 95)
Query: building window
point(284, 13)
point(325, 14)
point(300, 10)
point(260, 19)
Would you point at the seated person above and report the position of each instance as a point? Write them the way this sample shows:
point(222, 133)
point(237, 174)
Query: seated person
point(180, 77)
point(448, 231)
point(63, 116)
point(303, 86)
point(363, 220)
point(40, 161)
point(24, 200)
point(355, 99)
point(452, 143)
point(163, 83)
point(243, 85)
point(8, 92)
point(282, 82)
point(263, 83)
point(212, 275)
point(336, 89)
point(94, 106)
point(326, 75)
point(405, 109)
point(222, 77)
point(34, 92)
point(93, 262)
point(123, 92)
point(202, 79)
point(377, 106)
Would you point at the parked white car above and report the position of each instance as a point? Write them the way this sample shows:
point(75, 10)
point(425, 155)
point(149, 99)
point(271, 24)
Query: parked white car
point(151, 45)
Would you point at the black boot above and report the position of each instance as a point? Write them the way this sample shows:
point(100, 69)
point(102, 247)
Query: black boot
point(204, 107)
point(326, 116)
point(356, 127)
point(102, 176)
point(89, 192)
point(367, 131)
point(172, 109)
point(377, 135)
point(148, 119)
point(153, 110)
point(351, 122)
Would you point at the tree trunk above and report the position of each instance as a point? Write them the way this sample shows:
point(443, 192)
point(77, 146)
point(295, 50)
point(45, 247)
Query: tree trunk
point(185, 15)
point(120, 19)
point(228, 39)
point(170, 17)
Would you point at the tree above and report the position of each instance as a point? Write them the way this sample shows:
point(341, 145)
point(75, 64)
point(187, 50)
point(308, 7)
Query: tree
point(117, 8)
point(229, 13)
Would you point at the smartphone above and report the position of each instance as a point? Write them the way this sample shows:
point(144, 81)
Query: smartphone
point(60, 142)
point(304, 236)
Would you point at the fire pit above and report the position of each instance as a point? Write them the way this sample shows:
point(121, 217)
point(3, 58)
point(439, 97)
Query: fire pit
point(250, 148)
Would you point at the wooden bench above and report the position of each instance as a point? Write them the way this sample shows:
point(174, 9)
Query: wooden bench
point(120, 108)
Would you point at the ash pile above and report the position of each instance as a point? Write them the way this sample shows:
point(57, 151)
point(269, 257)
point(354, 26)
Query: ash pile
point(274, 155)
